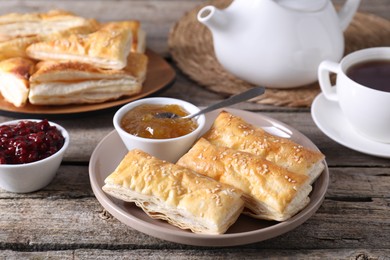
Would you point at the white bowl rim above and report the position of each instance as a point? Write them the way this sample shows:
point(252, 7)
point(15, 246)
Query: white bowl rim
point(201, 120)
point(63, 131)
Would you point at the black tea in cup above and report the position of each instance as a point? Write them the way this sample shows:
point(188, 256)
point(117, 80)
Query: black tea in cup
point(374, 74)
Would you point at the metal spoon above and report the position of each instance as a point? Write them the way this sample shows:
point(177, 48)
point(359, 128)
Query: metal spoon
point(251, 93)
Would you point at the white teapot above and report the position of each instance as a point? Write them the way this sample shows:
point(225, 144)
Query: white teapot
point(277, 43)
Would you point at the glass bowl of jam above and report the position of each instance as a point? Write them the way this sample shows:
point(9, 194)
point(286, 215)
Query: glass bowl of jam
point(31, 152)
point(141, 126)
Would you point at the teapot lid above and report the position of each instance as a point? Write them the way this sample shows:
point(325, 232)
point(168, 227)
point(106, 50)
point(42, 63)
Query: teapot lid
point(302, 5)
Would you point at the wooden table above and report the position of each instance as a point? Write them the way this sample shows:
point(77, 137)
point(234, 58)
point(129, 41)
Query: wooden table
point(65, 220)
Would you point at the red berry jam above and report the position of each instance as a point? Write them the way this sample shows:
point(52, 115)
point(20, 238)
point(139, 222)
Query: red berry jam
point(28, 141)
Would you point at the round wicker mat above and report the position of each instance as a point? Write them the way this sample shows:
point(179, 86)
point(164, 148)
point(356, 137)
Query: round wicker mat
point(190, 44)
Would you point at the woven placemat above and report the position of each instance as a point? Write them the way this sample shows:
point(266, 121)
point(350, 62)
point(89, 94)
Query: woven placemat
point(191, 47)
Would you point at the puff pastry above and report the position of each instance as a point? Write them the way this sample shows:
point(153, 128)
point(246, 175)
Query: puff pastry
point(16, 25)
point(59, 83)
point(18, 31)
point(14, 80)
point(234, 132)
point(16, 47)
point(138, 35)
point(106, 48)
point(173, 193)
point(270, 192)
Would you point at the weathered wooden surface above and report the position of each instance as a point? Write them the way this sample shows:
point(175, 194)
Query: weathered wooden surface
point(65, 221)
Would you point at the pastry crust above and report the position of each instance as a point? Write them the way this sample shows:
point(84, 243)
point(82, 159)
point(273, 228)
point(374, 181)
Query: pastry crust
point(270, 192)
point(234, 132)
point(14, 80)
point(170, 192)
point(16, 25)
point(138, 35)
point(16, 47)
point(59, 83)
point(106, 48)
point(18, 31)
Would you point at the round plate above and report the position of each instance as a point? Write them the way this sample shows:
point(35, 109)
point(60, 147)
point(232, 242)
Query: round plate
point(329, 118)
point(159, 75)
point(110, 151)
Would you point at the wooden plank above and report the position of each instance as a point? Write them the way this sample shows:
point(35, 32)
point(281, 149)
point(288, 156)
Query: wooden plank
point(359, 184)
point(26, 223)
point(185, 254)
point(68, 209)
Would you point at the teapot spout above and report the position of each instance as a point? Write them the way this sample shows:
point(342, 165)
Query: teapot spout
point(213, 18)
point(347, 12)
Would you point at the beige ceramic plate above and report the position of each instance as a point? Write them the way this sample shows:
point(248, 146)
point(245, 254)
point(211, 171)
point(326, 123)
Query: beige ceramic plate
point(159, 75)
point(111, 150)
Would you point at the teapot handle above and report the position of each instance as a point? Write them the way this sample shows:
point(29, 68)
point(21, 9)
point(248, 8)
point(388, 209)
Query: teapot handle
point(347, 12)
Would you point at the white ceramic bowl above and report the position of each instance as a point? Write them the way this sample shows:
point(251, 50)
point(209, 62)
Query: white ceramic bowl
point(166, 149)
point(29, 177)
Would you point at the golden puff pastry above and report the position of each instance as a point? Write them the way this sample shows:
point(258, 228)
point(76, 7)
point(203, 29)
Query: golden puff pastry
point(234, 132)
point(16, 25)
point(18, 31)
point(59, 83)
point(106, 48)
point(14, 80)
point(270, 192)
point(138, 35)
point(173, 193)
point(16, 47)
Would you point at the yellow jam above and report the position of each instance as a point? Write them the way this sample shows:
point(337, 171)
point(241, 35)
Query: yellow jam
point(142, 121)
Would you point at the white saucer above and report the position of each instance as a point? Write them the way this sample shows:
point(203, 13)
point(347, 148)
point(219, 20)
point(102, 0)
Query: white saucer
point(328, 117)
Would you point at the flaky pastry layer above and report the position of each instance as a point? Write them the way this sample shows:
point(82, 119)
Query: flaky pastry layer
point(14, 80)
point(59, 83)
point(173, 193)
point(106, 48)
point(234, 132)
point(270, 192)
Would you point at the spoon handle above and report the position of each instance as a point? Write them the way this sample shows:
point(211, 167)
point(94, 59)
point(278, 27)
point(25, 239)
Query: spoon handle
point(251, 93)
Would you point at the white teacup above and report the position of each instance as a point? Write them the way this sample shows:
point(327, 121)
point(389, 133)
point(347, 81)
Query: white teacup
point(367, 109)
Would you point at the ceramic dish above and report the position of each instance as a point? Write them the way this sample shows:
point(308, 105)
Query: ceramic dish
point(246, 230)
point(177, 146)
point(32, 176)
point(328, 117)
point(159, 75)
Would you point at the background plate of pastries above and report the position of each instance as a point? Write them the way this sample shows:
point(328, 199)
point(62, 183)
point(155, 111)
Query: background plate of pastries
point(280, 191)
point(59, 63)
